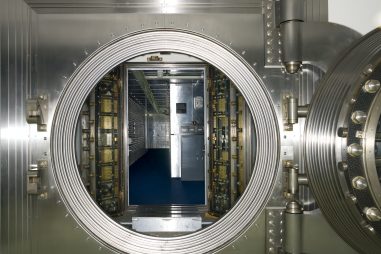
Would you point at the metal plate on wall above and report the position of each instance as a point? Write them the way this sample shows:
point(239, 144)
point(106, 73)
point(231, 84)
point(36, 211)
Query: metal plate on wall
point(192, 158)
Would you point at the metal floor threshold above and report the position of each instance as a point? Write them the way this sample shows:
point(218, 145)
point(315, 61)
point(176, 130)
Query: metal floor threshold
point(166, 220)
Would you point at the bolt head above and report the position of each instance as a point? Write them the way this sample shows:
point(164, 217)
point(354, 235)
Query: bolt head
point(368, 69)
point(354, 150)
point(359, 117)
point(372, 213)
point(371, 86)
point(359, 183)
point(343, 166)
point(352, 198)
point(342, 132)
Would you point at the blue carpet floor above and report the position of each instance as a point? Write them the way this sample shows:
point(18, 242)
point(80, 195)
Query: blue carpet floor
point(151, 182)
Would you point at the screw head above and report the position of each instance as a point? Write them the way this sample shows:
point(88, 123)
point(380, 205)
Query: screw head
point(343, 166)
point(359, 183)
point(342, 132)
point(354, 150)
point(352, 198)
point(372, 213)
point(368, 69)
point(359, 117)
point(371, 86)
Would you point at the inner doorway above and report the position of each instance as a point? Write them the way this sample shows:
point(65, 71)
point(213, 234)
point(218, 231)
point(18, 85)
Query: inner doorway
point(166, 133)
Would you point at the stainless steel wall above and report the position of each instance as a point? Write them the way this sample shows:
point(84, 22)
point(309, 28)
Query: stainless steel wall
point(39, 52)
point(158, 135)
point(16, 44)
point(136, 131)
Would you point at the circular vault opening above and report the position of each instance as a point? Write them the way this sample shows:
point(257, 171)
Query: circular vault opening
point(85, 78)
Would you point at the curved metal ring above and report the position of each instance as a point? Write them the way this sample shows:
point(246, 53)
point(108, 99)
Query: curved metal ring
point(83, 80)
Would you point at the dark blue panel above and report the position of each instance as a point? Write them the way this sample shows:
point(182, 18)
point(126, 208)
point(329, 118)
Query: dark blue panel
point(151, 182)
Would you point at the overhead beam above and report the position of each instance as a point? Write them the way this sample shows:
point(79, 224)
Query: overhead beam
point(140, 77)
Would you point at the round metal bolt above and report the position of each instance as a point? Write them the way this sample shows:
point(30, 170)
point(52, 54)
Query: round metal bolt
point(352, 198)
point(359, 183)
point(371, 86)
point(370, 228)
point(368, 69)
point(354, 150)
point(372, 213)
point(342, 132)
point(359, 117)
point(343, 166)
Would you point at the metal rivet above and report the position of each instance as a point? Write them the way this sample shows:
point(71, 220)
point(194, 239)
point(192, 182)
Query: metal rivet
point(359, 183)
point(370, 228)
point(342, 132)
point(354, 150)
point(343, 166)
point(368, 69)
point(359, 117)
point(352, 198)
point(372, 213)
point(371, 86)
point(360, 134)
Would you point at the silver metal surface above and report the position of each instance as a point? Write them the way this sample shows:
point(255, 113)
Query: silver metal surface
point(291, 19)
point(166, 224)
point(192, 157)
point(136, 131)
point(158, 131)
point(89, 215)
point(48, 47)
point(17, 42)
point(340, 99)
point(150, 6)
point(187, 126)
point(274, 229)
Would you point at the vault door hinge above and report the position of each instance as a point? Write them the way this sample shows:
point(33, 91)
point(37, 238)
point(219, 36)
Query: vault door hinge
point(34, 177)
point(37, 112)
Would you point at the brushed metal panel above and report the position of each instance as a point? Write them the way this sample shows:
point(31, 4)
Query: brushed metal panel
point(64, 42)
point(192, 158)
point(158, 131)
point(15, 86)
point(136, 131)
point(147, 6)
